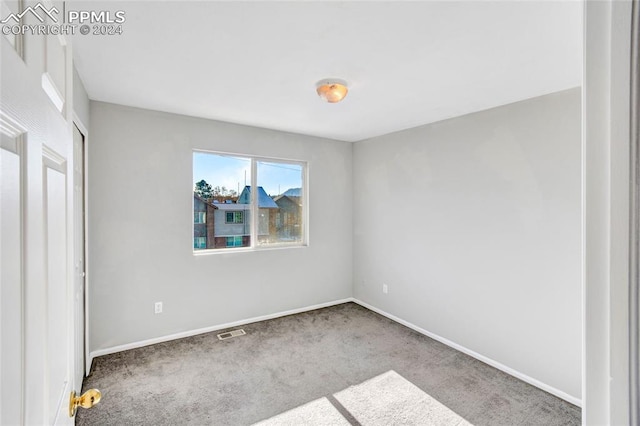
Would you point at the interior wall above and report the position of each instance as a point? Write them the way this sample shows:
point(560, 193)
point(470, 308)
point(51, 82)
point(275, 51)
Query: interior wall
point(474, 224)
point(140, 228)
point(81, 105)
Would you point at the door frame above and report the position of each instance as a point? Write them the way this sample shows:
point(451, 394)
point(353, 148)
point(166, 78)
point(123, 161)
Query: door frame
point(634, 214)
point(85, 176)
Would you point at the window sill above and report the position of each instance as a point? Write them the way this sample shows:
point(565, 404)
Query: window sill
point(205, 252)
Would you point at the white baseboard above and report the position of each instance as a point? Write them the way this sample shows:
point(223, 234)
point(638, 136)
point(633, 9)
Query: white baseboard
point(489, 361)
point(182, 334)
point(496, 364)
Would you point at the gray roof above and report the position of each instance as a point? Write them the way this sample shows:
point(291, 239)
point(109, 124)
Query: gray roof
point(197, 197)
point(231, 206)
point(264, 201)
point(291, 199)
point(293, 192)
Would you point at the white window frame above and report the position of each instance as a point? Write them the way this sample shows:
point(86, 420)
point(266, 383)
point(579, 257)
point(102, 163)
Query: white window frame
point(254, 208)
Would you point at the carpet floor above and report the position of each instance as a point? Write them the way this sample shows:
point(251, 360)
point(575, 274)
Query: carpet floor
point(314, 365)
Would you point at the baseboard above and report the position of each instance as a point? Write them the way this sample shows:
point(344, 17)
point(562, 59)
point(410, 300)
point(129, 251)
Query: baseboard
point(489, 361)
point(182, 334)
point(537, 383)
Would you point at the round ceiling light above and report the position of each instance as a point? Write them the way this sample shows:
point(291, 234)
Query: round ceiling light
point(332, 91)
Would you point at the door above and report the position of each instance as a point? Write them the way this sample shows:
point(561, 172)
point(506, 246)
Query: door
point(11, 290)
point(59, 315)
point(37, 295)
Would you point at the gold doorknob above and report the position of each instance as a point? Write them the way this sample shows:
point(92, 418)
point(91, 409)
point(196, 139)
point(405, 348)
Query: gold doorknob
point(86, 400)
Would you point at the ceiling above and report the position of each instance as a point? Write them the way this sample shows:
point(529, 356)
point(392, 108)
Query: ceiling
point(257, 63)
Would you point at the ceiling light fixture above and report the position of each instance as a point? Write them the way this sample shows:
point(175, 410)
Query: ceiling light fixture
point(332, 90)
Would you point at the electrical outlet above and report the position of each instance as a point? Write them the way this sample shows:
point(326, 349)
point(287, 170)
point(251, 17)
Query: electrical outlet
point(158, 307)
point(385, 288)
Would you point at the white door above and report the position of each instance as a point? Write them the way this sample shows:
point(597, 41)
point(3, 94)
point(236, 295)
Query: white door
point(11, 290)
point(37, 327)
point(59, 294)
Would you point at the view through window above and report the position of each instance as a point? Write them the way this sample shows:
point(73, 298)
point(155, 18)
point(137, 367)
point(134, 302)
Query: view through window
point(225, 204)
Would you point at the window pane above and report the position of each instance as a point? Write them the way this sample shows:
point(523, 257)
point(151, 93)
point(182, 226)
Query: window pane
point(199, 242)
point(219, 185)
point(199, 217)
point(280, 203)
point(222, 195)
point(234, 216)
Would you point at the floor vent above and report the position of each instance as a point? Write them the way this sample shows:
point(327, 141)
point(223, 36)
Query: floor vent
point(229, 334)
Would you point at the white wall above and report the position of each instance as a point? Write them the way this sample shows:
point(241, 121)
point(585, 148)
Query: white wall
point(474, 223)
point(81, 105)
point(140, 228)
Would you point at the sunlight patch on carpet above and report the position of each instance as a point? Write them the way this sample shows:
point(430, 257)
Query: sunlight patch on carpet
point(390, 399)
point(319, 412)
point(387, 399)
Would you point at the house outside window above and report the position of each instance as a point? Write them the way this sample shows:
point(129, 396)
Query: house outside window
point(244, 201)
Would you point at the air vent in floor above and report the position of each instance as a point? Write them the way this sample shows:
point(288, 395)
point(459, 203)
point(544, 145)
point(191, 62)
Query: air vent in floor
point(229, 334)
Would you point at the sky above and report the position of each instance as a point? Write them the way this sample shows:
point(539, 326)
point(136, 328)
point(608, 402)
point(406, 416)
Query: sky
point(230, 172)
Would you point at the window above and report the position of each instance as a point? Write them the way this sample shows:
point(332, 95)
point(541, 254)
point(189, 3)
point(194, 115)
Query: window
point(199, 242)
point(236, 215)
point(199, 217)
point(235, 241)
